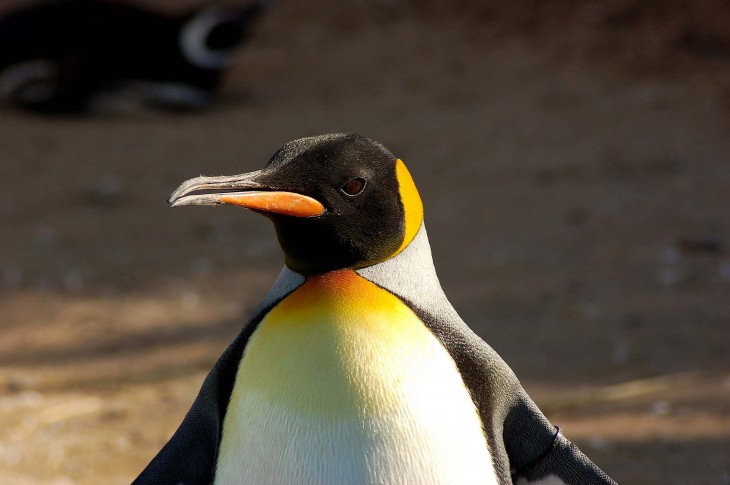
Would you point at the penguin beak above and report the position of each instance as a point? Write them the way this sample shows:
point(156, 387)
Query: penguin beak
point(247, 191)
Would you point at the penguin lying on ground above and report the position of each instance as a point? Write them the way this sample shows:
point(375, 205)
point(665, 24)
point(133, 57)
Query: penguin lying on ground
point(62, 56)
point(355, 368)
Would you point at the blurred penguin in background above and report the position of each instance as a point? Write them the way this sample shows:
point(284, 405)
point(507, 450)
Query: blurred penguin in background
point(74, 55)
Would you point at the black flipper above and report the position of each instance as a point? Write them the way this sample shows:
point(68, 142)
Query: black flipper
point(538, 450)
point(523, 443)
point(190, 457)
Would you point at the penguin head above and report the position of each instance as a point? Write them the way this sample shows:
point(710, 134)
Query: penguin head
point(336, 201)
point(208, 37)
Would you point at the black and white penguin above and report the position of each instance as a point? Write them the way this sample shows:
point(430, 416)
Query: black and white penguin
point(355, 368)
point(66, 55)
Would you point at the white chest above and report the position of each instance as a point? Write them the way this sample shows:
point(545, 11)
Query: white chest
point(328, 394)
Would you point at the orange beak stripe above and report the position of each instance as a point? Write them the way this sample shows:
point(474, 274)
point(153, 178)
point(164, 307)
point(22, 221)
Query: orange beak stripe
point(286, 203)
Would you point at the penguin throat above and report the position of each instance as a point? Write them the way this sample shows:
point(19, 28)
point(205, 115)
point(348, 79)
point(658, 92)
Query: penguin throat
point(322, 250)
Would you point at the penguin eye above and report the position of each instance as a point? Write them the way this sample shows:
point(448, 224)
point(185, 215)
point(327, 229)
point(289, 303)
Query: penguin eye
point(354, 186)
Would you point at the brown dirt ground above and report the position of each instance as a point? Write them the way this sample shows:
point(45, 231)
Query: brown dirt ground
point(573, 160)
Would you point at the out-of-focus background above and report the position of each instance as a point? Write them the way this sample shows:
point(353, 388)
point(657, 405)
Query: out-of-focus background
point(574, 160)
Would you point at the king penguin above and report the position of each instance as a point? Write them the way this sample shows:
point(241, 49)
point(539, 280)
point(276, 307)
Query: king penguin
point(355, 368)
point(67, 56)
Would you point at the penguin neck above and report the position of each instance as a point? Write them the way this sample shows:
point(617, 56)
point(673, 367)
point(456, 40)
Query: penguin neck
point(410, 275)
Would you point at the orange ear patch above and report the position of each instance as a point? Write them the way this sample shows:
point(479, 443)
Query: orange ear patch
point(412, 205)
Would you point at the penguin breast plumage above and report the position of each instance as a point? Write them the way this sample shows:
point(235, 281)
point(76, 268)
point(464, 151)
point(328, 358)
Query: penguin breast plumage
point(342, 383)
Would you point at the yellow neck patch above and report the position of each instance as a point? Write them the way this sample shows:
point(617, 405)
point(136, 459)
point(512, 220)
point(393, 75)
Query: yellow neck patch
point(412, 205)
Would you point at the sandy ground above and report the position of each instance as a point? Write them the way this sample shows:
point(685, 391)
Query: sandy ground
point(574, 167)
